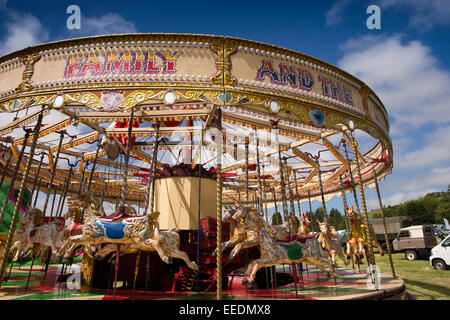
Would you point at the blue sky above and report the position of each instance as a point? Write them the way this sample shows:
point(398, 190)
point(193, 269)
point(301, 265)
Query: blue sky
point(406, 62)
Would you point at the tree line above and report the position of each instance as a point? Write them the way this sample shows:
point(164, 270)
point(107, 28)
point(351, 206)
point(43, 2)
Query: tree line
point(430, 209)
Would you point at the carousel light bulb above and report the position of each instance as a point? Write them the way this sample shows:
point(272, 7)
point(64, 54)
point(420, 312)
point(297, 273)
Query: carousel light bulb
point(351, 125)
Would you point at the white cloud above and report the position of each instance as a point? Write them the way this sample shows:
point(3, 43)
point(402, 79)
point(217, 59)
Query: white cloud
point(22, 30)
point(400, 197)
point(423, 14)
point(407, 78)
point(334, 15)
point(434, 152)
point(109, 23)
point(413, 86)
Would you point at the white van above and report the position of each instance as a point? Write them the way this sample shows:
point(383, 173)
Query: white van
point(440, 255)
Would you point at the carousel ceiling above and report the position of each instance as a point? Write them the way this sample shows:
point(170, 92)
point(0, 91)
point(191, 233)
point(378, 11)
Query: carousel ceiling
point(176, 84)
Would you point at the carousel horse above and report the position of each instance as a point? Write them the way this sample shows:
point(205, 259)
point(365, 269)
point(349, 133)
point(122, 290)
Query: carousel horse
point(304, 225)
point(273, 252)
point(241, 239)
point(330, 242)
point(49, 235)
point(110, 146)
point(133, 232)
point(356, 240)
point(244, 239)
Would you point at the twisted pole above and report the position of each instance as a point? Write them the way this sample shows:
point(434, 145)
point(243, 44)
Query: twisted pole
point(127, 160)
point(36, 178)
point(258, 171)
point(371, 258)
point(52, 176)
point(384, 225)
point(12, 227)
point(219, 207)
point(13, 178)
point(351, 176)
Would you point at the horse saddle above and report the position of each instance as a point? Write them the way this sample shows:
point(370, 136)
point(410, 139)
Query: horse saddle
point(301, 239)
point(293, 249)
point(111, 229)
point(117, 217)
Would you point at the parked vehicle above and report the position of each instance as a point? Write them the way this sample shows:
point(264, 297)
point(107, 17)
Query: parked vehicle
point(393, 226)
point(415, 241)
point(440, 255)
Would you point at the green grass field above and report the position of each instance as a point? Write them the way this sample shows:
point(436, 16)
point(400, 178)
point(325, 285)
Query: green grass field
point(421, 279)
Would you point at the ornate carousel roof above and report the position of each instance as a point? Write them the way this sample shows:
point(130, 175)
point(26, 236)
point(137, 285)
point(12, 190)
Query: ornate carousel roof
point(172, 86)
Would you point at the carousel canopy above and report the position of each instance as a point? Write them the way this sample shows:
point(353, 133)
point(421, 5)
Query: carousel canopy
point(282, 106)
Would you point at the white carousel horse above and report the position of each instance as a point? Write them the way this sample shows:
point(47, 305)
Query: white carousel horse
point(330, 242)
point(49, 235)
point(274, 252)
point(133, 232)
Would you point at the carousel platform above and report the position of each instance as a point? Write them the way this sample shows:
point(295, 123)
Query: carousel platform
point(312, 285)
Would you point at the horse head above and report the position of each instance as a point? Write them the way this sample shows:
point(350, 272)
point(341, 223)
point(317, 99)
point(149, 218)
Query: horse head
point(323, 226)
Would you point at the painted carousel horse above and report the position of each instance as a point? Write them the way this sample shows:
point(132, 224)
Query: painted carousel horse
point(356, 239)
point(87, 205)
point(241, 239)
point(330, 242)
point(244, 239)
point(49, 235)
point(273, 252)
point(133, 232)
point(304, 225)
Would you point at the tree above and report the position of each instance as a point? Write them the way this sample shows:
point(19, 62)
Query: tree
point(336, 219)
point(418, 213)
point(276, 219)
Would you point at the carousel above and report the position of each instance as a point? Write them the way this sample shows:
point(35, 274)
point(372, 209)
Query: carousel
point(149, 166)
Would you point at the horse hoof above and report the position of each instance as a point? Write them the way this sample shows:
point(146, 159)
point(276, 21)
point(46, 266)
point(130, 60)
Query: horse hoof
point(251, 284)
point(244, 282)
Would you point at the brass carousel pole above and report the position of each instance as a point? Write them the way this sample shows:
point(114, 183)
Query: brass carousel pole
point(151, 184)
point(321, 187)
point(52, 176)
point(283, 189)
point(29, 201)
point(347, 223)
point(258, 172)
point(247, 197)
point(384, 224)
point(124, 191)
point(37, 193)
point(91, 175)
point(219, 206)
point(291, 195)
point(36, 178)
point(127, 160)
point(351, 176)
point(344, 201)
point(310, 210)
point(12, 227)
point(13, 177)
point(371, 258)
point(297, 196)
point(66, 188)
point(264, 195)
